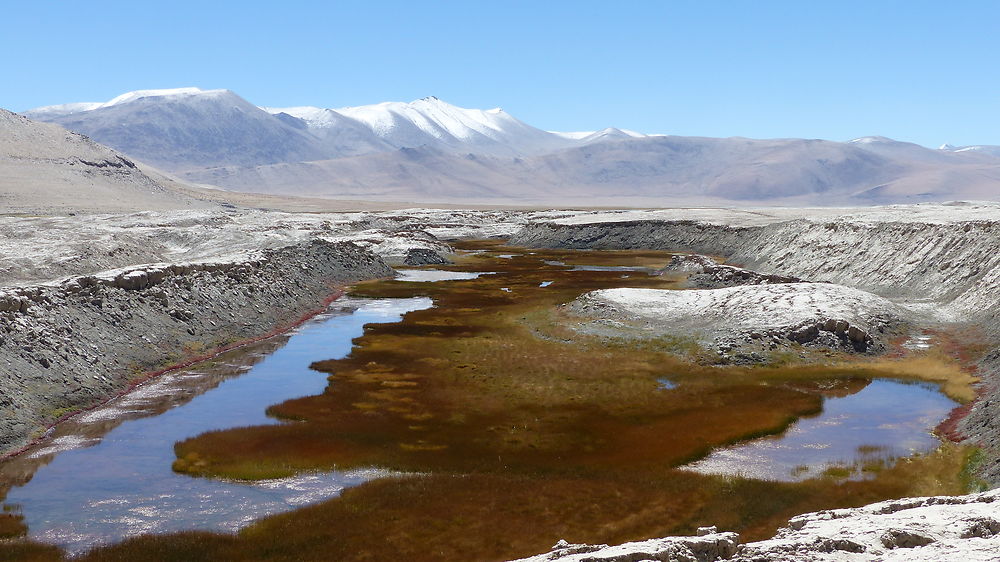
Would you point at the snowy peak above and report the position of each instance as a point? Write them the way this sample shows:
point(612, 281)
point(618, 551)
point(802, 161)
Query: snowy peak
point(975, 149)
point(431, 116)
point(51, 111)
point(315, 117)
point(167, 93)
point(610, 133)
point(432, 122)
point(70, 108)
point(871, 140)
point(325, 132)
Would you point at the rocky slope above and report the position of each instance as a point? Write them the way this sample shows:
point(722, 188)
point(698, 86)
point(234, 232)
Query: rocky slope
point(43, 166)
point(39, 249)
point(70, 345)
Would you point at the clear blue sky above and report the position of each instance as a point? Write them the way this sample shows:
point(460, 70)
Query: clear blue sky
point(927, 72)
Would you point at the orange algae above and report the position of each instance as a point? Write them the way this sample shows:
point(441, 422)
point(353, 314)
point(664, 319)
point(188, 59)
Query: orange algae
point(525, 431)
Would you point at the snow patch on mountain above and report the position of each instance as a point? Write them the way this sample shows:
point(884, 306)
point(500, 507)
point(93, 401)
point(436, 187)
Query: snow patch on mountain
point(870, 140)
point(172, 92)
point(70, 108)
point(981, 149)
point(608, 132)
point(51, 111)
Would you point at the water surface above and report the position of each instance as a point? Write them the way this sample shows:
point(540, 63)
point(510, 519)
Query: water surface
point(430, 275)
point(884, 421)
point(107, 487)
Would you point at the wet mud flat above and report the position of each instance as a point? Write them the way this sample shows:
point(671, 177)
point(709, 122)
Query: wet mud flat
point(524, 431)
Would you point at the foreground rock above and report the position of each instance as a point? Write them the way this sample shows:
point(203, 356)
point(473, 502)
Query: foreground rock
point(709, 546)
point(742, 323)
point(931, 529)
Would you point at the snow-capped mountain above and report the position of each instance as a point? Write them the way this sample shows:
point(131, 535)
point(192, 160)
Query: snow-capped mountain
point(184, 129)
point(68, 108)
point(429, 150)
point(187, 128)
point(339, 135)
point(611, 133)
point(434, 123)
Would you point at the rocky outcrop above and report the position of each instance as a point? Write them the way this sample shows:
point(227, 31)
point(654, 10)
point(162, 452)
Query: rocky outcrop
point(931, 529)
point(744, 322)
point(70, 345)
point(705, 273)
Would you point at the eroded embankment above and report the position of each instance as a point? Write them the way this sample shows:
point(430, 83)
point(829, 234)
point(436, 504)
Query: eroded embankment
point(71, 345)
point(951, 267)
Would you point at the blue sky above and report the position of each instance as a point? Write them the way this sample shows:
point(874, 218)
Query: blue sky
point(925, 72)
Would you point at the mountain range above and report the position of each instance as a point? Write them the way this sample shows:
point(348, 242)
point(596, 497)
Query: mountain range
point(428, 150)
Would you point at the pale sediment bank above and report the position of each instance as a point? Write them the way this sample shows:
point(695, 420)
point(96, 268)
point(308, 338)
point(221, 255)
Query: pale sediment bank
point(744, 323)
point(71, 345)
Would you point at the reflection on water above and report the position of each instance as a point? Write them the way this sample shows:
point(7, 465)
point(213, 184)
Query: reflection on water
point(424, 275)
point(665, 384)
point(104, 487)
point(884, 421)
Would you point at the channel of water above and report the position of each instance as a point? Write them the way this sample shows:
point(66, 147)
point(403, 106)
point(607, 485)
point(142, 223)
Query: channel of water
point(83, 487)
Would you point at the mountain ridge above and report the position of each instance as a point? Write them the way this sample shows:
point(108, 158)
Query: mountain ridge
point(412, 151)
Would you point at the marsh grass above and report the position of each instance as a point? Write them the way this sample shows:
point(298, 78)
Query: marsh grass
point(500, 516)
point(20, 550)
point(956, 380)
point(12, 525)
point(526, 431)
